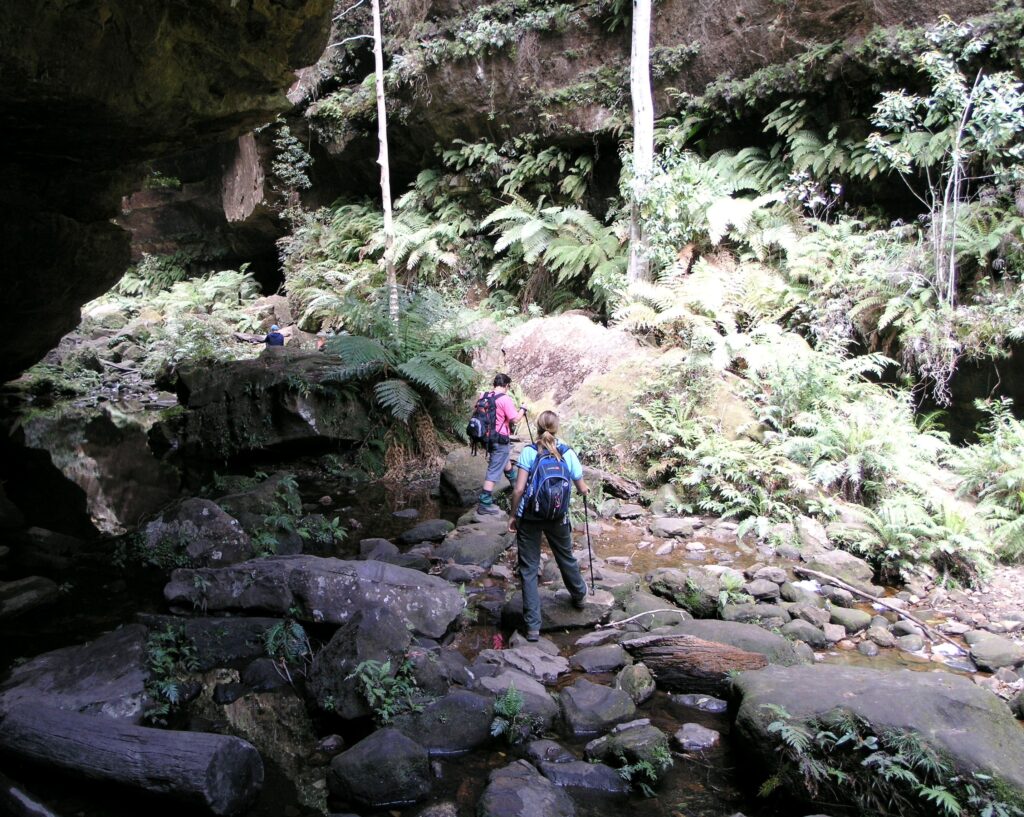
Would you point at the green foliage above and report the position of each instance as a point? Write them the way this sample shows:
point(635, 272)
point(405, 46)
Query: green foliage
point(153, 274)
point(841, 758)
point(170, 660)
point(389, 692)
point(993, 472)
point(287, 643)
point(291, 162)
point(644, 774)
point(510, 722)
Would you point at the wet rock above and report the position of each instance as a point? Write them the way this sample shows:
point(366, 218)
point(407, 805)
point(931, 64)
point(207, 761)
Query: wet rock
point(529, 660)
point(629, 511)
point(756, 613)
point(692, 737)
point(240, 406)
point(374, 634)
point(811, 536)
point(518, 640)
point(218, 642)
point(228, 693)
point(879, 622)
point(433, 530)
point(1016, 704)
point(635, 742)
point(881, 637)
point(804, 592)
point(646, 603)
point(748, 637)
point(851, 569)
point(695, 590)
point(705, 703)
point(263, 675)
point(326, 748)
point(547, 751)
point(476, 544)
point(321, 590)
point(806, 632)
point(406, 513)
point(462, 477)
point(537, 702)
point(103, 677)
point(589, 708)
point(462, 574)
point(776, 575)
point(968, 724)
point(664, 550)
point(762, 589)
point(637, 682)
point(596, 638)
point(581, 777)
point(810, 613)
point(377, 548)
point(904, 627)
point(201, 532)
point(667, 527)
point(519, 790)
point(622, 586)
point(852, 620)
point(600, 659)
point(456, 723)
point(838, 596)
point(557, 611)
point(834, 632)
point(386, 768)
point(22, 595)
point(990, 651)
point(868, 648)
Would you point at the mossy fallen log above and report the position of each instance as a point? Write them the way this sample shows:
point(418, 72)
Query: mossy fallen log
point(213, 773)
point(685, 663)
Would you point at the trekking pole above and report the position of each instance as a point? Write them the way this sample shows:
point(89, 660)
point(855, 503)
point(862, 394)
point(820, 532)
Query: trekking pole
point(590, 551)
point(526, 415)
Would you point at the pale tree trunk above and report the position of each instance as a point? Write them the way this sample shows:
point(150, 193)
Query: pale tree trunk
point(643, 133)
point(382, 160)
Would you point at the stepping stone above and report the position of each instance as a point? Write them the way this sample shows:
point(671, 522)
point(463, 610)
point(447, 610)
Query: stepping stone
point(589, 708)
point(991, 651)
point(557, 611)
point(519, 790)
point(692, 737)
point(853, 621)
point(579, 776)
point(529, 660)
point(705, 703)
point(600, 659)
point(629, 512)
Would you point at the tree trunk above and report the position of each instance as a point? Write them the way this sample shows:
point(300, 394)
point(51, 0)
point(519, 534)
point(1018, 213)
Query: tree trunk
point(382, 160)
point(211, 773)
point(685, 663)
point(643, 134)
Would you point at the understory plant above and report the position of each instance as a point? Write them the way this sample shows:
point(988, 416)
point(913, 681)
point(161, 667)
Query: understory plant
point(842, 758)
point(510, 721)
point(288, 644)
point(389, 690)
point(171, 659)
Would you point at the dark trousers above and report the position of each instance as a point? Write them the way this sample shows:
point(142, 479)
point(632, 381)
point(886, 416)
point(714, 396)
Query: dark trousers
point(559, 536)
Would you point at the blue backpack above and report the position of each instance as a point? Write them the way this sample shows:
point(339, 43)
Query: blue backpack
point(548, 487)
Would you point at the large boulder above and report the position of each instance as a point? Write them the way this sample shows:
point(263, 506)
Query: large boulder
point(276, 400)
point(590, 708)
point(456, 723)
point(103, 677)
point(385, 769)
point(557, 611)
point(964, 722)
point(480, 545)
point(648, 611)
point(519, 790)
point(538, 705)
point(22, 595)
point(372, 634)
point(462, 477)
point(991, 652)
point(219, 642)
point(320, 590)
point(851, 569)
point(528, 659)
point(695, 590)
point(197, 532)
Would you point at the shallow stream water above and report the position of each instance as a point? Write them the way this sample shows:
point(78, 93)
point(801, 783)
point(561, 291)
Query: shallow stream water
point(712, 784)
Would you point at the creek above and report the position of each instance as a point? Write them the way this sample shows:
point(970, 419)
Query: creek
point(713, 783)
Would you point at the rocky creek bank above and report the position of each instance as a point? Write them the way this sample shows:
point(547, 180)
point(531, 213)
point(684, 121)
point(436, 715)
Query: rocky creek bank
point(391, 675)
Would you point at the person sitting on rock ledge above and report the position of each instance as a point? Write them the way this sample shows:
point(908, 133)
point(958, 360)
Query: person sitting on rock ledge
point(274, 337)
point(528, 528)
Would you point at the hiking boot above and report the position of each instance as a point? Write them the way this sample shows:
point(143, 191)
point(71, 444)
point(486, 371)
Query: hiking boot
point(511, 477)
point(533, 635)
point(487, 510)
point(579, 602)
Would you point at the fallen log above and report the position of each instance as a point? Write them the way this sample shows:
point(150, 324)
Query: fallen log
point(685, 663)
point(214, 773)
point(614, 485)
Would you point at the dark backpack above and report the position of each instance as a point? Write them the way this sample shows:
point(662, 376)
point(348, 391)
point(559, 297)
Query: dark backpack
point(548, 487)
point(482, 428)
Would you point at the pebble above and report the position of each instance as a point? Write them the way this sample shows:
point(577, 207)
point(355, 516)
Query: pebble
point(868, 648)
point(692, 737)
point(643, 545)
point(622, 561)
point(501, 572)
point(325, 501)
point(695, 546)
point(846, 644)
point(834, 632)
point(705, 703)
point(664, 550)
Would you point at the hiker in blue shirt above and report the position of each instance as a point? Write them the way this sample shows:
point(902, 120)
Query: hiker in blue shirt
point(528, 527)
point(274, 337)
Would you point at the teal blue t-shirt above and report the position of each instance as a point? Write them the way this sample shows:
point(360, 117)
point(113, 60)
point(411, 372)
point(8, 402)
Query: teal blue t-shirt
point(528, 457)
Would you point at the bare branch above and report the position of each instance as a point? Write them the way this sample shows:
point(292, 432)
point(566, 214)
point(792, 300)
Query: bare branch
point(350, 8)
point(350, 39)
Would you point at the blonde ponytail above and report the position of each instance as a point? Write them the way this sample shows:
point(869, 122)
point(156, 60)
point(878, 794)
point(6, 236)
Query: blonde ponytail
point(547, 430)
